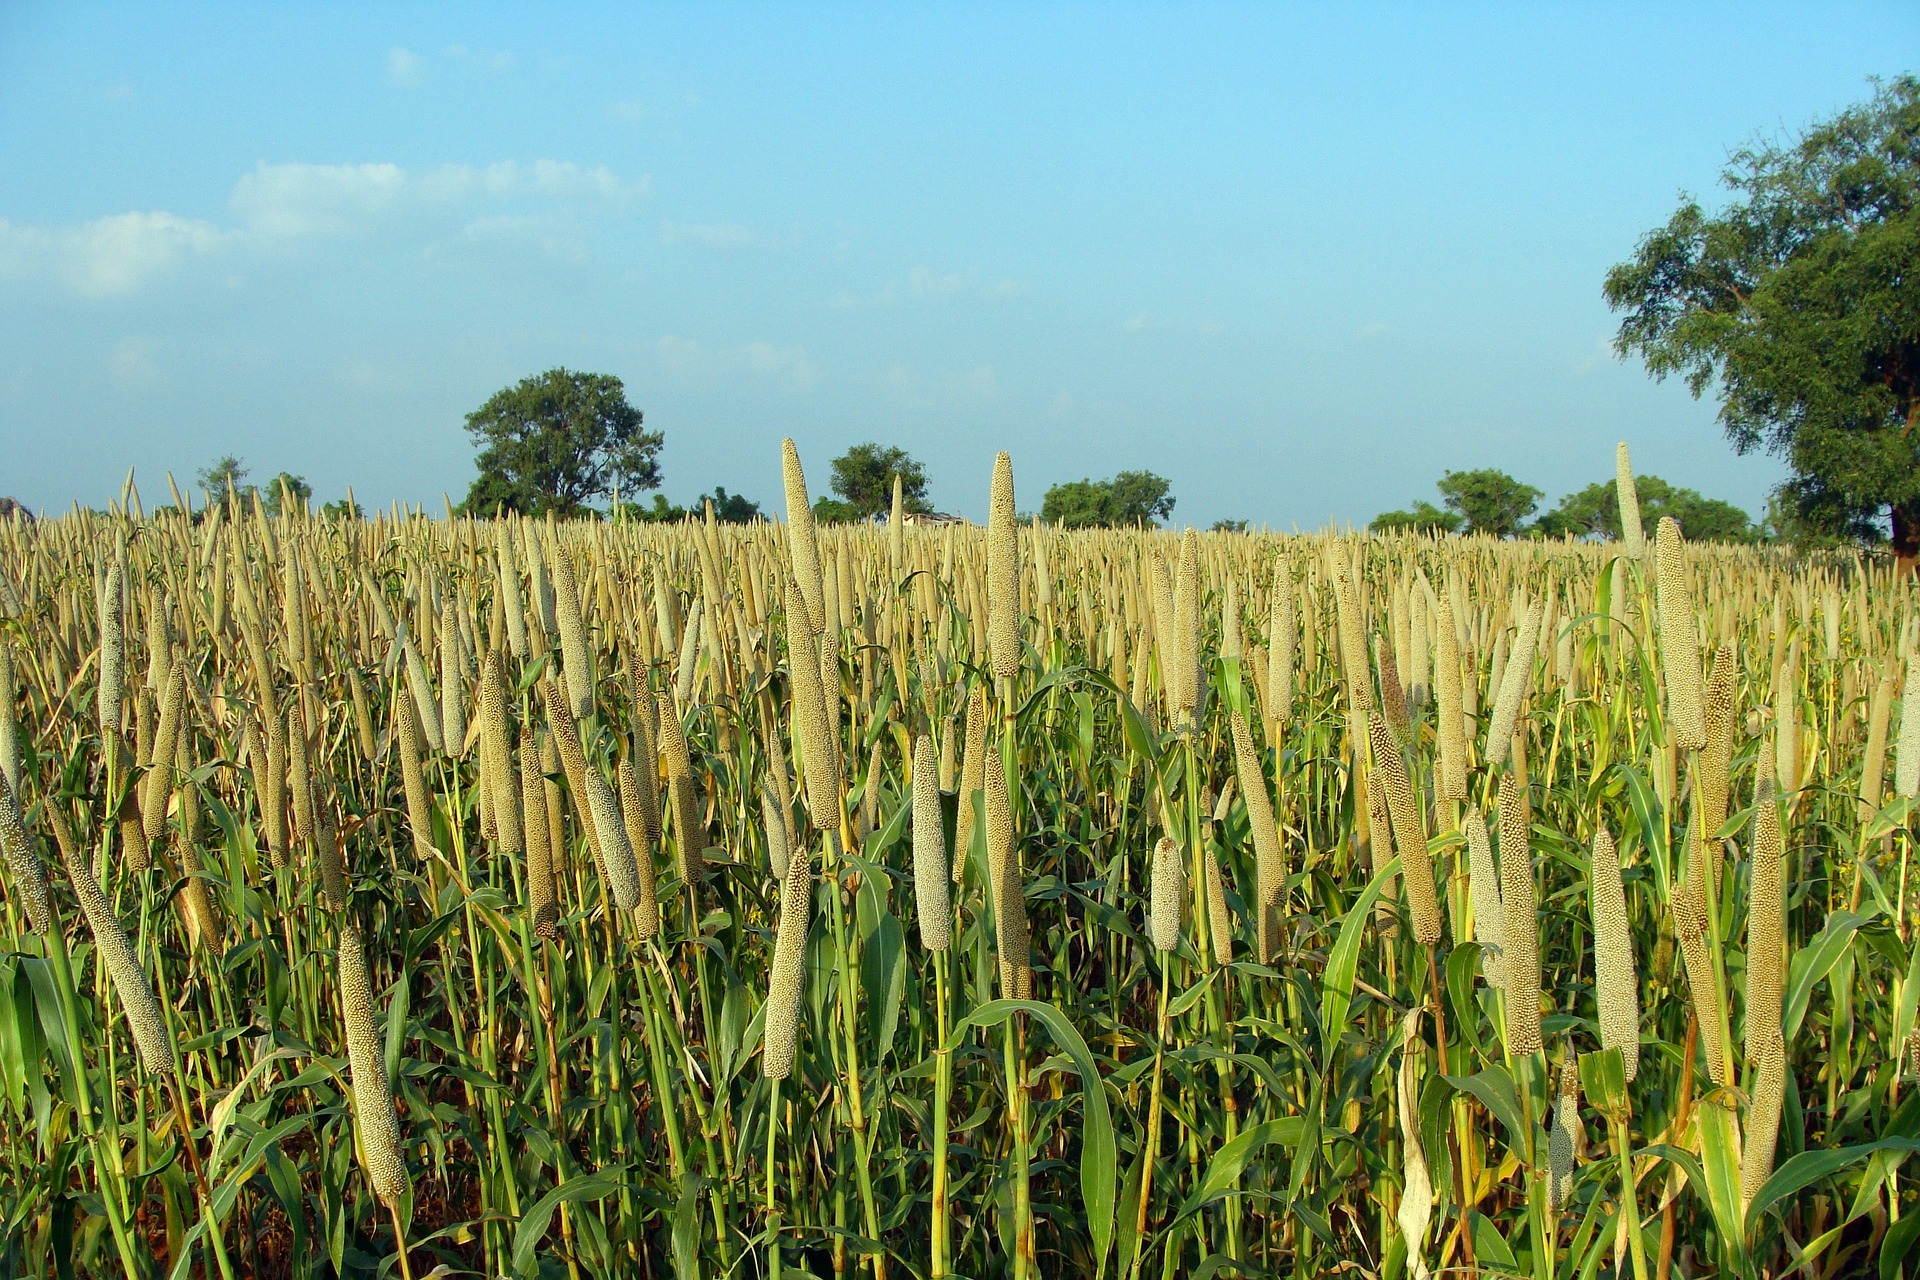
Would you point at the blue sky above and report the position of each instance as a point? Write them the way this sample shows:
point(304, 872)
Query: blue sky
point(1299, 260)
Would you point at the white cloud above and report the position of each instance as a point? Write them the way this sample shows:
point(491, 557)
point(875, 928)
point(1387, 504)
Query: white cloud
point(293, 200)
point(926, 282)
point(541, 204)
point(1601, 355)
point(791, 368)
point(946, 391)
point(404, 67)
point(132, 362)
point(705, 235)
point(1151, 322)
point(630, 112)
point(107, 256)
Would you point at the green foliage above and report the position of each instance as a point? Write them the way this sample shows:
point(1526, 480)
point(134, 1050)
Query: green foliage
point(225, 477)
point(1422, 517)
point(342, 509)
point(1488, 500)
point(1131, 499)
point(728, 508)
point(1595, 512)
point(830, 510)
point(1797, 303)
point(863, 477)
point(559, 441)
point(1229, 526)
point(286, 493)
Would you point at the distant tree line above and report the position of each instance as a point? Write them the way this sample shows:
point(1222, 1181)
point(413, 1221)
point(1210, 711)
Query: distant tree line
point(1492, 502)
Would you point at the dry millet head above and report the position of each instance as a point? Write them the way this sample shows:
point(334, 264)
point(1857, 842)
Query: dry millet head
point(820, 753)
point(1679, 641)
point(973, 777)
point(1906, 758)
point(166, 745)
point(1009, 900)
point(1616, 986)
point(576, 657)
point(1629, 498)
point(802, 542)
point(112, 650)
point(1489, 917)
point(929, 850)
point(1270, 871)
point(1219, 920)
point(1003, 573)
point(1514, 683)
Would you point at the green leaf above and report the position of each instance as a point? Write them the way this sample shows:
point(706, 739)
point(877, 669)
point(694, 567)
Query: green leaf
point(1813, 962)
point(527, 1236)
point(1720, 1164)
point(1495, 1090)
point(1231, 1160)
point(1810, 1166)
point(1097, 1155)
point(1336, 985)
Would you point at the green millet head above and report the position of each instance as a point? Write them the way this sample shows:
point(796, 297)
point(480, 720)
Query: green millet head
point(929, 850)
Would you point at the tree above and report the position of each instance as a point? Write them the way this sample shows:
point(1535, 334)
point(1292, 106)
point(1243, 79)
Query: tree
point(828, 509)
point(729, 508)
point(557, 442)
point(224, 478)
point(1595, 512)
point(1134, 499)
point(1229, 525)
point(1490, 501)
point(286, 493)
point(863, 477)
point(1422, 517)
point(1798, 302)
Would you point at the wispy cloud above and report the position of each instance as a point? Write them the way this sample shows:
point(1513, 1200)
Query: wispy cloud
point(108, 256)
point(928, 283)
point(1600, 356)
point(278, 205)
point(789, 367)
point(706, 235)
point(404, 68)
point(1152, 322)
point(947, 391)
point(132, 362)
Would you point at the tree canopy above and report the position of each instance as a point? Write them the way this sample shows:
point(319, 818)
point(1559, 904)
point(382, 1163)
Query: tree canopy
point(286, 493)
point(558, 442)
point(1130, 499)
point(1799, 303)
point(1489, 500)
point(863, 477)
point(1595, 512)
point(1421, 517)
point(1493, 502)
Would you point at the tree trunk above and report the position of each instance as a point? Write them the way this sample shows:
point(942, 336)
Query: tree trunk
point(1906, 536)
